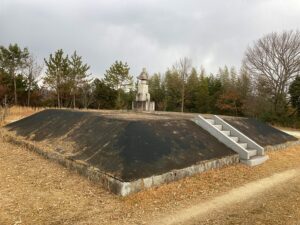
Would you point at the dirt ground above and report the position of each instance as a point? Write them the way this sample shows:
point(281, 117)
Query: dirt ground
point(239, 204)
point(34, 190)
point(281, 205)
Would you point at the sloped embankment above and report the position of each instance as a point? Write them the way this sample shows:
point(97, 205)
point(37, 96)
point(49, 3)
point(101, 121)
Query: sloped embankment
point(126, 149)
point(261, 133)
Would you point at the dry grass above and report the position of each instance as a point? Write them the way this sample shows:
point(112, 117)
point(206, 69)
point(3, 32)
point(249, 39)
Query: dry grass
point(18, 112)
point(279, 205)
point(36, 191)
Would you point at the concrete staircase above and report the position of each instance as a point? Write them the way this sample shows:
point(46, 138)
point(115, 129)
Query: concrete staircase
point(250, 152)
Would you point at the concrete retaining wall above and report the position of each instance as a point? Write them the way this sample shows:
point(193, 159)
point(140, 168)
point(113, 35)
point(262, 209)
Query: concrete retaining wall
point(281, 146)
point(94, 174)
point(115, 185)
point(138, 185)
point(119, 187)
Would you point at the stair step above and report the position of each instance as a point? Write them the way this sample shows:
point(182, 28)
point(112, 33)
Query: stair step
point(226, 132)
point(244, 145)
point(255, 160)
point(252, 152)
point(210, 121)
point(236, 139)
point(219, 127)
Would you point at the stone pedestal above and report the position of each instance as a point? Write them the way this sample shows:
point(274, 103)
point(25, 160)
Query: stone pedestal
point(143, 106)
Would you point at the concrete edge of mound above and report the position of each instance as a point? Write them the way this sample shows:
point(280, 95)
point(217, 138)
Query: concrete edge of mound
point(115, 185)
point(121, 188)
point(281, 146)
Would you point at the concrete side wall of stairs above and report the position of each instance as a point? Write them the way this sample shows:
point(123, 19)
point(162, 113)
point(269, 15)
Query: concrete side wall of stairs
point(242, 138)
point(249, 151)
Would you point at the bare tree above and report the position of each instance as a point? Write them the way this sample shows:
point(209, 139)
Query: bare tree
point(32, 72)
point(276, 58)
point(183, 67)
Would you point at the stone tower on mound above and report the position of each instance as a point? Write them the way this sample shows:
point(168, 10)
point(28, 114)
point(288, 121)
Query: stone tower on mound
point(142, 100)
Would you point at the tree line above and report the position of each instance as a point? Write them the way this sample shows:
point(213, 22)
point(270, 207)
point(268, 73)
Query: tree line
point(267, 86)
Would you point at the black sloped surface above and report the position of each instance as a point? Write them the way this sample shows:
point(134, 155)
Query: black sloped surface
point(127, 149)
point(260, 132)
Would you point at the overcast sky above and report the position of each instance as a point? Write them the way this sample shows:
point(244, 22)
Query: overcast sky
point(145, 33)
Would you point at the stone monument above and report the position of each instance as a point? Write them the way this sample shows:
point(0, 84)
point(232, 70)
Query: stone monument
point(142, 100)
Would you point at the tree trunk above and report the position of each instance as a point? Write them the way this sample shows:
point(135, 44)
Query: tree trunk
point(85, 100)
point(28, 93)
point(15, 90)
point(5, 101)
point(74, 100)
point(182, 97)
point(118, 105)
point(58, 99)
point(28, 98)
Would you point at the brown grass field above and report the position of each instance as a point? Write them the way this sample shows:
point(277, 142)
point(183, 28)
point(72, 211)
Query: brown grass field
point(34, 190)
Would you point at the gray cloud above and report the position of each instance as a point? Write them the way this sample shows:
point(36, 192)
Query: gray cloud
point(152, 34)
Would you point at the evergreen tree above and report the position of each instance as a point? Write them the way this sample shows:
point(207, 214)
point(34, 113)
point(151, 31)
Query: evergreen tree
point(294, 91)
point(233, 77)
point(244, 85)
point(244, 89)
point(224, 76)
point(86, 93)
point(203, 96)
point(12, 61)
point(118, 77)
point(215, 89)
point(192, 92)
point(57, 73)
point(173, 86)
point(78, 75)
point(157, 91)
point(229, 102)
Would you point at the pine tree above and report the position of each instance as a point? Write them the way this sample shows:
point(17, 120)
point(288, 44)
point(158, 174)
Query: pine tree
point(215, 90)
point(57, 72)
point(12, 60)
point(203, 96)
point(224, 76)
point(173, 84)
point(78, 75)
point(192, 92)
point(157, 91)
point(118, 77)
